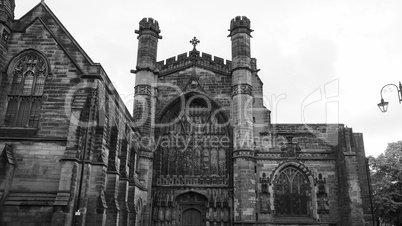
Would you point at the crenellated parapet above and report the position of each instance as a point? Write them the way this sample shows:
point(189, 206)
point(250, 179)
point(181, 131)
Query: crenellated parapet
point(240, 24)
point(194, 58)
point(149, 26)
point(148, 36)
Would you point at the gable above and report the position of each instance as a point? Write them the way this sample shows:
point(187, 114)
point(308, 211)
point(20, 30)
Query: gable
point(63, 38)
point(57, 34)
point(198, 79)
point(37, 35)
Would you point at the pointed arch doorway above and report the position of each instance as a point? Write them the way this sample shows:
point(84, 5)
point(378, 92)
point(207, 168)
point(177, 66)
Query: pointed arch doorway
point(192, 207)
point(192, 217)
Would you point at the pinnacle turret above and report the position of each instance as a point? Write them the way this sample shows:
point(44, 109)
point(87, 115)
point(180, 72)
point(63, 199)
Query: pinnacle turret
point(149, 26)
point(240, 24)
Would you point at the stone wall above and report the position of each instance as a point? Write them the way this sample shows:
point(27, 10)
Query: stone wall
point(214, 85)
point(82, 156)
point(321, 156)
point(84, 163)
point(329, 154)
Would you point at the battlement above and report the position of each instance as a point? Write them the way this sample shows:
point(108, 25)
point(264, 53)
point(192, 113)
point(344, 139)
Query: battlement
point(239, 21)
point(184, 60)
point(240, 24)
point(148, 24)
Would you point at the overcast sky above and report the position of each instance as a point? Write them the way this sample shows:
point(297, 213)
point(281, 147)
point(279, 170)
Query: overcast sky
point(320, 61)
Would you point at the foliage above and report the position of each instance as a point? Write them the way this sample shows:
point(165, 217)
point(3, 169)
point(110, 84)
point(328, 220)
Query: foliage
point(386, 179)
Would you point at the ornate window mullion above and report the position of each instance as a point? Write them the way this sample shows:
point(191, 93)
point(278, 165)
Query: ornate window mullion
point(218, 166)
point(209, 161)
point(28, 115)
point(19, 100)
point(20, 89)
point(168, 150)
point(175, 162)
point(33, 87)
point(191, 154)
point(20, 112)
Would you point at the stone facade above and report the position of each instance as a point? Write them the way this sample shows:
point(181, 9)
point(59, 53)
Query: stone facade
point(200, 148)
point(77, 164)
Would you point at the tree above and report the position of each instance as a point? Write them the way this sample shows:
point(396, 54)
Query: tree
point(386, 178)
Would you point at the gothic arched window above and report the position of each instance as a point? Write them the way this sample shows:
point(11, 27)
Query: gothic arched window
point(193, 144)
point(29, 72)
point(292, 193)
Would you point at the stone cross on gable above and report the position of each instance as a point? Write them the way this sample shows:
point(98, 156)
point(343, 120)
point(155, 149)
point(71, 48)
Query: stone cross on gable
point(194, 41)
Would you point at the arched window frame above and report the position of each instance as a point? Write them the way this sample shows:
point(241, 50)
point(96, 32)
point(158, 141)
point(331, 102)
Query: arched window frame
point(28, 72)
point(181, 112)
point(309, 191)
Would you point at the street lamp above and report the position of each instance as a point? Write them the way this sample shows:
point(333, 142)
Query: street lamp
point(384, 105)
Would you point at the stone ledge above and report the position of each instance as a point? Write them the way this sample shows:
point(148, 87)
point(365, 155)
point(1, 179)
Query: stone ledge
point(289, 221)
point(18, 132)
point(37, 198)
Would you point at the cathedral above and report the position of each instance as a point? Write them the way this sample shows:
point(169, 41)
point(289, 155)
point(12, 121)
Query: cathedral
point(198, 150)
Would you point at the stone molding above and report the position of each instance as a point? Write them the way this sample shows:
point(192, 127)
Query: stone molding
point(244, 153)
point(148, 69)
point(143, 90)
point(242, 89)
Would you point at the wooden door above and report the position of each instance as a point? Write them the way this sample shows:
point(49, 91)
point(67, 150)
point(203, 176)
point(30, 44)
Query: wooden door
point(192, 217)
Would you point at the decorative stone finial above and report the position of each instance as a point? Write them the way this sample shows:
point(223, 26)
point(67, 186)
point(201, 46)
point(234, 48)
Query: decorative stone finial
point(194, 42)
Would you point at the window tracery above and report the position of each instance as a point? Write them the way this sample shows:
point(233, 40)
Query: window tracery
point(25, 97)
point(292, 193)
point(193, 146)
